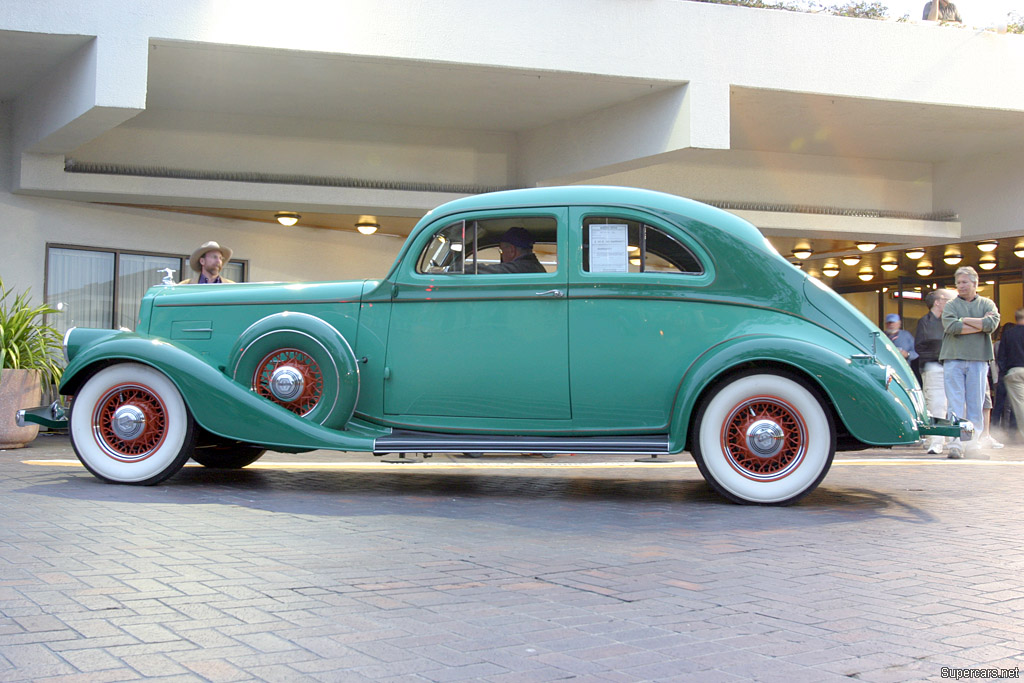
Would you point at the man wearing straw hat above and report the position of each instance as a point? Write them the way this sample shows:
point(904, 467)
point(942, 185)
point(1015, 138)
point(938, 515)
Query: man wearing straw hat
point(208, 260)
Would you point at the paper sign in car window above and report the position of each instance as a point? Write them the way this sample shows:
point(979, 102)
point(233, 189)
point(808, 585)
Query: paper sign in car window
point(609, 244)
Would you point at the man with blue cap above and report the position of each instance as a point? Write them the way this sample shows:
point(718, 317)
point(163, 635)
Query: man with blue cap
point(517, 255)
point(903, 340)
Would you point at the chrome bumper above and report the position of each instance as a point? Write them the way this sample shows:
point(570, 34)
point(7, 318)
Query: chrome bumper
point(51, 416)
point(957, 429)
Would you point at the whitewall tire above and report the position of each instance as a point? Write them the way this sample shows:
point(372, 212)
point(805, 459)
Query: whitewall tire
point(764, 438)
point(129, 425)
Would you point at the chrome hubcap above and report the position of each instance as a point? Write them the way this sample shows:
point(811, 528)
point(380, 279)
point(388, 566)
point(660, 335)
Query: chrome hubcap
point(128, 422)
point(286, 383)
point(765, 438)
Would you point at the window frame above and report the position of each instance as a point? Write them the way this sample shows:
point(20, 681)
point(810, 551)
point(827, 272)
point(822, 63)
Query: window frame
point(469, 222)
point(588, 220)
point(675, 230)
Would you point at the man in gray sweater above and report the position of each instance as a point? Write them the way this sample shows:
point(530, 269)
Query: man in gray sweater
point(968, 322)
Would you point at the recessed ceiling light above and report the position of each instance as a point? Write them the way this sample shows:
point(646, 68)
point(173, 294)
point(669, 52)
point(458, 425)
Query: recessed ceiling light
point(287, 218)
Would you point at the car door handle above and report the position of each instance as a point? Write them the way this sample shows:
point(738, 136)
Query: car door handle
point(554, 293)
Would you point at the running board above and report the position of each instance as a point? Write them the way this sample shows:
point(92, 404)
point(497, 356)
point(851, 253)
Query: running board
point(402, 441)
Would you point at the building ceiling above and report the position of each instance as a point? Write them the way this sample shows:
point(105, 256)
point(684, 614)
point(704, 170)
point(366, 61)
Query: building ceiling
point(855, 128)
point(317, 86)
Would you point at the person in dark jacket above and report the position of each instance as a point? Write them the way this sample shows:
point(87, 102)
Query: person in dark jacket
point(517, 255)
point(927, 342)
point(1011, 366)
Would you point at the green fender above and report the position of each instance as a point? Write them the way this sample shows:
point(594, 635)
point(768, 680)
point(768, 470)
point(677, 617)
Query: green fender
point(218, 403)
point(857, 389)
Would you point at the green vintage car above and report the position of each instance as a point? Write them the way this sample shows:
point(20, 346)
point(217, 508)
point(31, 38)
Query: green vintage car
point(648, 325)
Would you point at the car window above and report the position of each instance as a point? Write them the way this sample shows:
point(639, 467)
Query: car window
point(473, 247)
point(620, 245)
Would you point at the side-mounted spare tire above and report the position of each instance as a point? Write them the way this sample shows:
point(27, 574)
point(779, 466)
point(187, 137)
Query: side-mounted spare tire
point(301, 363)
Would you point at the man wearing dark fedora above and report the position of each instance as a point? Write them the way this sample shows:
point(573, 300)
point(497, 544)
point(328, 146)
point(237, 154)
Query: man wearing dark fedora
point(516, 245)
point(208, 260)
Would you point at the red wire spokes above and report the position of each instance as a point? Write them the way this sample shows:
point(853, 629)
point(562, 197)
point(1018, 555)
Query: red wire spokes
point(736, 437)
point(303, 363)
point(154, 428)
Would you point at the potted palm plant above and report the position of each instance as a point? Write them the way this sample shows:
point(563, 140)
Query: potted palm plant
point(29, 352)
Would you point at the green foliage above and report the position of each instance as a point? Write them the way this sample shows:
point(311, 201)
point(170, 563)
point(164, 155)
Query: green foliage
point(26, 342)
point(861, 9)
point(1015, 23)
point(864, 9)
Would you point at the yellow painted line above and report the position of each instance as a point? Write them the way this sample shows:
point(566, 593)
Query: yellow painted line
point(417, 465)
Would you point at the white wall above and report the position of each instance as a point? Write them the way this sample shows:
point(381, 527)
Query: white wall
point(787, 179)
point(225, 142)
point(274, 252)
point(987, 191)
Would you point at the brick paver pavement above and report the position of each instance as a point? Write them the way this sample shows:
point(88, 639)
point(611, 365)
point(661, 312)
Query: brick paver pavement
point(890, 571)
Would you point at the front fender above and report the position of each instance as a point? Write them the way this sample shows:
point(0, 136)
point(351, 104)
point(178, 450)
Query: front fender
point(218, 403)
point(871, 412)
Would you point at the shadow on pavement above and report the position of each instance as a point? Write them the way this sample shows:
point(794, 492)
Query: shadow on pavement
point(588, 497)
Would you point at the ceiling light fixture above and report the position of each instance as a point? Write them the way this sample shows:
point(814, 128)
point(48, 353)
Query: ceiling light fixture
point(889, 264)
point(952, 258)
point(914, 253)
point(866, 246)
point(830, 269)
point(367, 227)
point(987, 262)
point(1018, 251)
point(988, 245)
point(866, 274)
point(851, 260)
point(924, 269)
point(287, 218)
point(803, 252)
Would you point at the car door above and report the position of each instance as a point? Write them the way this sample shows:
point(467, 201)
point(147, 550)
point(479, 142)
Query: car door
point(636, 318)
point(484, 347)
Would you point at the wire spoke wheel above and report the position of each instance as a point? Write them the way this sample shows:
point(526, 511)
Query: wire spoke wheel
point(130, 422)
point(291, 378)
point(764, 438)
point(129, 425)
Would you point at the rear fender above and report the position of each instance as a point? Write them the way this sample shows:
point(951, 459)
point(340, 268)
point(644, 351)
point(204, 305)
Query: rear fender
point(857, 391)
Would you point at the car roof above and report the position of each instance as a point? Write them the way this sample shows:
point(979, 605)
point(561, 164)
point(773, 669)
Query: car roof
point(602, 195)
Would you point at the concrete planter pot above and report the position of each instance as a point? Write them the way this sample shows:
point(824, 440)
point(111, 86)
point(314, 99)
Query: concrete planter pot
point(18, 389)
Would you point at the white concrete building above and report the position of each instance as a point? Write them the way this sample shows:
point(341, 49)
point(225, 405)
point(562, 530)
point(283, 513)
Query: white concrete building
point(132, 131)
